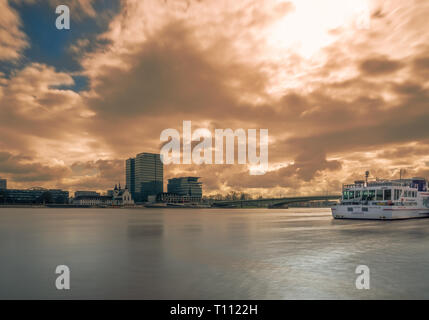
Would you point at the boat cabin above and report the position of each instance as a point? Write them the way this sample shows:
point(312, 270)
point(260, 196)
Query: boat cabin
point(404, 191)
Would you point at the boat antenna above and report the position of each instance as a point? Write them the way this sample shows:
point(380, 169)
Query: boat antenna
point(366, 177)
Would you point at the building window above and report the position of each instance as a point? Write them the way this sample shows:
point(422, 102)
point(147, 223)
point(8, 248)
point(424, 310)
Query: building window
point(397, 194)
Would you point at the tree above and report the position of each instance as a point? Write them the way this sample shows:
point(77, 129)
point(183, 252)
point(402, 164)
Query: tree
point(3, 196)
point(45, 197)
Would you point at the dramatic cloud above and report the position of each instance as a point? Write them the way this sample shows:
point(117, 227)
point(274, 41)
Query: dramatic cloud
point(12, 39)
point(342, 87)
point(23, 170)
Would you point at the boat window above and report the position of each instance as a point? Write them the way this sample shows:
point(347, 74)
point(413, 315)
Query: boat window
point(357, 194)
point(397, 194)
point(371, 195)
point(364, 194)
point(387, 194)
point(351, 194)
point(346, 195)
point(379, 194)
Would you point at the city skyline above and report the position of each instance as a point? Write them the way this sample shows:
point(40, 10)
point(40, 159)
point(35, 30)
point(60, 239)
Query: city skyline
point(341, 90)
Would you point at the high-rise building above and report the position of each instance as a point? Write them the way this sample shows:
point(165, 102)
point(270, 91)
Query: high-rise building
point(144, 175)
point(130, 174)
point(3, 184)
point(185, 186)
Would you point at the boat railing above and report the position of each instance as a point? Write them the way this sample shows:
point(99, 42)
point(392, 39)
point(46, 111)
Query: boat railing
point(377, 184)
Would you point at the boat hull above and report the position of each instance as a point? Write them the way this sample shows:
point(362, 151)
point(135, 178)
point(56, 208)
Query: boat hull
point(378, 212)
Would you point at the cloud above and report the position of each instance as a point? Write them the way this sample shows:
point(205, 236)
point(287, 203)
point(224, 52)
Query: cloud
point(356, 100)
point(24, 169)
point(12, 39)
point(380, 66)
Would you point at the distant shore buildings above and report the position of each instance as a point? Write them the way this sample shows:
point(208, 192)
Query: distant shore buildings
point(144, 184)
point(33, 196)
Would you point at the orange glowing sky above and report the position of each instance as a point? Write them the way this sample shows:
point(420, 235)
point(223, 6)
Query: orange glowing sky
point(341, 85)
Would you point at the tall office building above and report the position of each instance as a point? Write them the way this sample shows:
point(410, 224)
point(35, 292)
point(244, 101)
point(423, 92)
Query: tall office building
point(185, 186)
point(130, 174)
point(3, 184)
point(144, 175)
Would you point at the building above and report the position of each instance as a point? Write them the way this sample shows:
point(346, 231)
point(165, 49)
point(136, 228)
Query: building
point(34, 196)
point(145, 175)
point(130, 174)
point(169, 197)
point(93, 200)
point(85, 193)
point(117, 197)
point(185, 186)
point(122, 196)
point(3, 184)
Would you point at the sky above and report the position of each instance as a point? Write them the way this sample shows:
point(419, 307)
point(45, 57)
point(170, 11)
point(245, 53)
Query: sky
point(341, 85)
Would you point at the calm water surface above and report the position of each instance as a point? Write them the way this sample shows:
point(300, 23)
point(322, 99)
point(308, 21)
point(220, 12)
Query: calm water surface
point(209, 254)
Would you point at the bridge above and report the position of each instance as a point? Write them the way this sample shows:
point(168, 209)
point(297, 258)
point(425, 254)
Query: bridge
point(272, 202)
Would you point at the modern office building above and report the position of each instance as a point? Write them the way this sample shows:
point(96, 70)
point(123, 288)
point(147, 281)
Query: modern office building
point(3, 184)
point(144, 175)
point(34, 196)
point(130, 174)
point(185, 186)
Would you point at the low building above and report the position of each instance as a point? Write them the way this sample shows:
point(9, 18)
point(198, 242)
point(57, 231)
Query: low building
point(85, 193)
point(117, 197)
point(169, 197)
point(185, 186)
point(94, 200)
point(34, 196)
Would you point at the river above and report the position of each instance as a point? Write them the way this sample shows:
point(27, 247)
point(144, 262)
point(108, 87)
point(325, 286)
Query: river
point(209, 254)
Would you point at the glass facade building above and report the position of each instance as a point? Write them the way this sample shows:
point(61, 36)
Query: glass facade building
point(34, 196)
point(185, 186)
point(130, 174)
point(3, 184)
point(145, 175)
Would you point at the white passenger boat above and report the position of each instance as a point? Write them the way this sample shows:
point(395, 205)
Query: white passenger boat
point(384, 200)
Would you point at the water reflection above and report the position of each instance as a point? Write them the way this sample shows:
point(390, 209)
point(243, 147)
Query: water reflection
point(209, 254)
